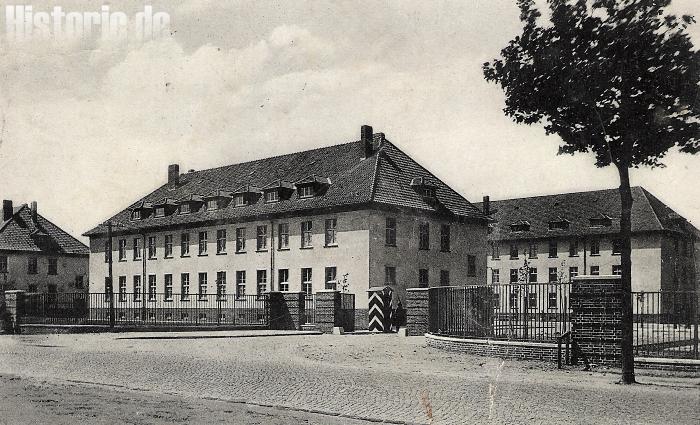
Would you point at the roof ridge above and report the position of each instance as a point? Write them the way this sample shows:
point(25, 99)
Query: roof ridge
point(562, 194)
point(647, 195)
point(271, 157)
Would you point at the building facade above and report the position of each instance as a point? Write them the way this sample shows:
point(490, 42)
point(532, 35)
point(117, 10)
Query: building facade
point(560, 236)
point(37, 256)
point(346, 217)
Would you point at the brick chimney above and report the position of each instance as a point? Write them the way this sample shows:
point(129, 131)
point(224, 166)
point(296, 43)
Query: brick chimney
point(487, 205)
point(173, 175)
point(7, 210)
point(367, 137)
point(34, 212)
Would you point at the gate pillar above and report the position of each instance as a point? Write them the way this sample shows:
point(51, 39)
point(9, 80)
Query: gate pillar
point(380, 308)
point(14, 302)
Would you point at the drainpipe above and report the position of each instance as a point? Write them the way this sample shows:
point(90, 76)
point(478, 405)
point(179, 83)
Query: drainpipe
point(272, 255)
point(144, 281)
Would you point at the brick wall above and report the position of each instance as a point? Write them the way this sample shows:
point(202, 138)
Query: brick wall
point(287, 310)
point(596, 318)
point(417, 311)
point(491, 348)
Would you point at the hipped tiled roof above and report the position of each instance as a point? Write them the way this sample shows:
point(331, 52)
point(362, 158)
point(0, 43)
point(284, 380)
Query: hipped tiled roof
point(20, 233)
point(383, 178)
point(649, 214)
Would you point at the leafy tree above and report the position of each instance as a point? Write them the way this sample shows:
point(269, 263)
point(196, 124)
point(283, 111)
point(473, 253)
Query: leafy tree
point(618, 78)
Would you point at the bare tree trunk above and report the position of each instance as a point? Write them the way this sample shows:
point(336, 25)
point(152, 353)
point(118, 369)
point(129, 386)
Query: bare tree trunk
point(626, 259)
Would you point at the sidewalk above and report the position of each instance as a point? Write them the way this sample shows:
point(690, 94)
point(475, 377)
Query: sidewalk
point(212, 334)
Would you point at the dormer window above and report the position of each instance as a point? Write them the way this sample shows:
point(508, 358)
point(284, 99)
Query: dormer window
point(136, 215)
point(520, 226)
point(306, 191)
point(424, 187)
point(272, 195)
point(190, 204)
point(185, 208)
point(601, 220)
point(217, 200)
point(212, 204)
point(239, 199)
point(559, 224)
point(160, 212)
point(141, 211)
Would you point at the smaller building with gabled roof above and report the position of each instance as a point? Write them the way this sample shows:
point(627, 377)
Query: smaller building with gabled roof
point(38, 256)
point(573, 234)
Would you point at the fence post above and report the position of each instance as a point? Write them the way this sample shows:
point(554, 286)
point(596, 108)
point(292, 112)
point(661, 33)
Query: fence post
point(417, 311)
point(287, 310)
point(327, 307)
point(15, 301)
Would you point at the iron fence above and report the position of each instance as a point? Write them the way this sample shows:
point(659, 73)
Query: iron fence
point(309, 309)
point(666, 324)
point(347, 312)
point(161, 309)
point(523, 312)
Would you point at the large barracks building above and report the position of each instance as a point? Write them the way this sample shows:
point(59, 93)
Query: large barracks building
point(347, 217)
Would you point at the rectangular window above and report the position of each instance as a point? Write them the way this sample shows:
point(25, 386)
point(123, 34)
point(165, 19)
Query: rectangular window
point(272, 196)
point(122, 288)
point(168, 284)
point(532, 278)
point(390, 234)
point(221, 285)
point(184, 244)
point(151, 287)
point(424, 236)
point(212, 204)
point(79, 282)
point(151, 247)
point(203, 286)
point(331, 231)
point(185, 208)
point(532, 300)
point(262, 282)
point(122, 249)
point(306, 282)
point(168, 246)
point(137, 249)
point(53, 266)
point(514, 300)
point(283, 236)
point(306, 234)
point(389, 275)
point(595, 270)
point(160, 212)
point(617, 270)
point(306, 191)
point(184, 286)
point(137, 288)
point(240, 284)
point(240, 239)
point(532, 250)
point(239, 199)
point(513, 251)
point(283, 280)
point(423, 278)
point(573, 248)
point(553, 274)
point(595, 247)
point(471, 265)
point(573, 272)
point(553, 249)
point(107, 251)
point(32, 265)
point(552, 300)
point(108, 289)
point(331, 274)
point(445, 238)
point(495, 251)
point(444, 278)
point(203, 236)
point(616, 247)
point(262, 238)
point(513, 275)
point(221, 241)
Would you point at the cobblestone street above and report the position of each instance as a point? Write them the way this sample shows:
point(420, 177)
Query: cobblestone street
point(378, 377)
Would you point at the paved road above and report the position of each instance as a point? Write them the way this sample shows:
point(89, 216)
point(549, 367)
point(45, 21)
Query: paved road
point(382, 377)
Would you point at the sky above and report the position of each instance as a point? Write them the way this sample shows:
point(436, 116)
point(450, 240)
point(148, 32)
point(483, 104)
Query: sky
point(89, 126)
